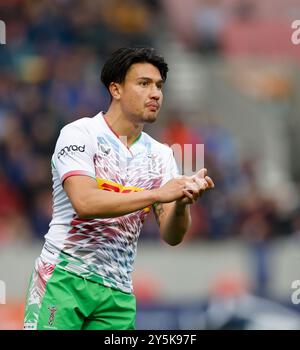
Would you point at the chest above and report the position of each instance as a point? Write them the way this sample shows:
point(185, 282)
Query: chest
point(141, 168)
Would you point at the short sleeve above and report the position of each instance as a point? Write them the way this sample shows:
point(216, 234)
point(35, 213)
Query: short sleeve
point(73, 153)
point(171, 168)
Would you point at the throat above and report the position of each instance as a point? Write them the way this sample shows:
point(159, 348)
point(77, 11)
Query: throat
point(128, 132)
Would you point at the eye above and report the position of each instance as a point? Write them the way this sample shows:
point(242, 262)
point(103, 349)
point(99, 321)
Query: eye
point(144, 83)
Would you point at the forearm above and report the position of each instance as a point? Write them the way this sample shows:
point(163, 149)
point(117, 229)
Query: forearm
point(176, 224)
point(104, 204)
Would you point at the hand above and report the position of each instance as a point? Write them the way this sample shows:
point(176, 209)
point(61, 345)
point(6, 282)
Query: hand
point(195, 187)
point(172, 190)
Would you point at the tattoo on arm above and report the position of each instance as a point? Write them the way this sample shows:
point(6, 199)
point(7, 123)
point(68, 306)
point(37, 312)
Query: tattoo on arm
point(158, 211)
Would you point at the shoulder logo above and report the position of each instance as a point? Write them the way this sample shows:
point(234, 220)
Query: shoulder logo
point(102, 146)
point(104, 150)
point(70, 150)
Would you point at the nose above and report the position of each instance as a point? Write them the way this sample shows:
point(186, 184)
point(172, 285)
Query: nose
point(155, 93)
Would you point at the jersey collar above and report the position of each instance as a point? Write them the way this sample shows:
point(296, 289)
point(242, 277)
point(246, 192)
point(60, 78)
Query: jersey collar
point(129, 149)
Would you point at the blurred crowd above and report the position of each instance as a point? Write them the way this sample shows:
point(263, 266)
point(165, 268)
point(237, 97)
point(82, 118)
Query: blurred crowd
point(237, 207)
point(50, 76)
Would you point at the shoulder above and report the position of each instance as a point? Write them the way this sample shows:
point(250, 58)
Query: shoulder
point(83, 128)
point(80, 125)
point(80, 133)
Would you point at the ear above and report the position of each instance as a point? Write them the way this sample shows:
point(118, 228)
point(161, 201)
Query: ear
point(115, 90)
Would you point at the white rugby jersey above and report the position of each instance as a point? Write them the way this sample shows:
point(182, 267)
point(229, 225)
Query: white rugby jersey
point(100, 249)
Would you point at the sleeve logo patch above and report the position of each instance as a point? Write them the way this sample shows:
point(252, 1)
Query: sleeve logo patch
point(72, 149)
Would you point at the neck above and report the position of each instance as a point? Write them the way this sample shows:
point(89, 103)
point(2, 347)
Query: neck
point(122, 126)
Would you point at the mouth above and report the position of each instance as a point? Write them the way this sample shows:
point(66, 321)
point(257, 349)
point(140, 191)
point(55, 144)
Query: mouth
point(153, 106)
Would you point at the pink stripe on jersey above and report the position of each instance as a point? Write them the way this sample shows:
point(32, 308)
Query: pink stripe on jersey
point(76, 172)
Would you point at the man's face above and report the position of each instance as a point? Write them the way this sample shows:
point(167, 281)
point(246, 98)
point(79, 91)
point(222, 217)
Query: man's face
point(141, 93)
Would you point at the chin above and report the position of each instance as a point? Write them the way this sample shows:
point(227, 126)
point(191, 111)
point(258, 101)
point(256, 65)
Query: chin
point(150, 118)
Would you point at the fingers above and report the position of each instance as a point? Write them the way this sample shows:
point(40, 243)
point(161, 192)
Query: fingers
point(193, 189)
point(209, 182)
point(197, 184)
point(202, 183)
point(189, 196)
point(193, 186)
point(201, 173)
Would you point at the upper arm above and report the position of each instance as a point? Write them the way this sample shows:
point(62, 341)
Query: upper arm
point(78, 188)
point(73, 159)
point(74, 153)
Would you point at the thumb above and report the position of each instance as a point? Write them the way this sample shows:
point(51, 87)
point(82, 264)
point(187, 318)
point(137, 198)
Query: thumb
point(202, 173)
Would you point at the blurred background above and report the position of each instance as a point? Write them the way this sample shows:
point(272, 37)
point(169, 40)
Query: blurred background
point(233, 85)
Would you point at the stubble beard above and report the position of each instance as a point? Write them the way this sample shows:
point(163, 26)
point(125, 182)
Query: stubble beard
point(144, 118)
point(150, 117)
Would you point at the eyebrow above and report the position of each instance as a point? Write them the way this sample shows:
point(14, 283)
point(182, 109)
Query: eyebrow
point(160, 81)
